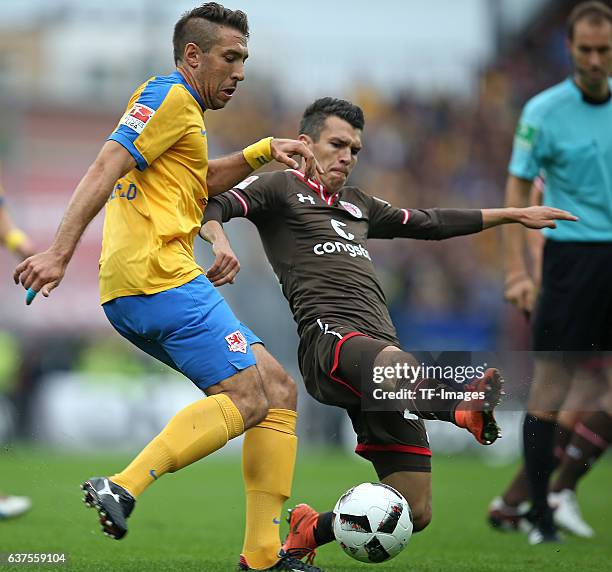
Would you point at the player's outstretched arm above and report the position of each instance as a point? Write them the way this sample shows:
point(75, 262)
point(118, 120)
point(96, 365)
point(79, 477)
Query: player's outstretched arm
point(226, 172)
point(226, 265)
point(45, 271)
point(535, 217)
point(387, 221)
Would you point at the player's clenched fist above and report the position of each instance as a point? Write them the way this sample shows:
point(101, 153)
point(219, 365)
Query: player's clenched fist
point(41, 272)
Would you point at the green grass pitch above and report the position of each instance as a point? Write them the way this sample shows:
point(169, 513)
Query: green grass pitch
point(193, 520)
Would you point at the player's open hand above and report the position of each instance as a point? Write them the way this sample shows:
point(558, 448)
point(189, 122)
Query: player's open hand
point(42, 272)
point(283, 149)
point(520, 291)
point(226, 265)
point(543, 217)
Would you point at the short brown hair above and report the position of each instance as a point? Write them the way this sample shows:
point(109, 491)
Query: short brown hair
point(189, 28)
point(596, 12)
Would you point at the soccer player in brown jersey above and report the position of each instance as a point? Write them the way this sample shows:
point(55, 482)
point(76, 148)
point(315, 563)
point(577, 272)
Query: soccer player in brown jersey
point(315, 236)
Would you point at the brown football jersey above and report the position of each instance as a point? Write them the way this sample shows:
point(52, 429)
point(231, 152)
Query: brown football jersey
point(317, 244)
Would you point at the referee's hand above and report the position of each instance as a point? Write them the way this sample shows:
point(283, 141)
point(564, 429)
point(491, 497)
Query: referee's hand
point(521, 292)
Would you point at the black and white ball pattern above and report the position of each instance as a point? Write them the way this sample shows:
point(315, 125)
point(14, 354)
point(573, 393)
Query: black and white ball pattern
point(372, 522)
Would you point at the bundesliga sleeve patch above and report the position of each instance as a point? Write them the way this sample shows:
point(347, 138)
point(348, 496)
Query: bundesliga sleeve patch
point(137, 117)
point(525, 135)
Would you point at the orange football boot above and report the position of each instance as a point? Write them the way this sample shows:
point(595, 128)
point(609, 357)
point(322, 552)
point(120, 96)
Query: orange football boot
point(477, 415)
point(300, 542)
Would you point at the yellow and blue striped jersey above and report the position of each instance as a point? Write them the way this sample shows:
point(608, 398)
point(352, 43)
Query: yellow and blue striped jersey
point(154, 212)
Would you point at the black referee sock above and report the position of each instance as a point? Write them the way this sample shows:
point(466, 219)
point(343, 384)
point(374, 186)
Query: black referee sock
point(538, 450)
point(324, 531)
point(518, 490)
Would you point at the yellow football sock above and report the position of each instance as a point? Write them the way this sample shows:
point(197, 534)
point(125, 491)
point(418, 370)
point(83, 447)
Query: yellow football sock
point(268, 459)
point(193, 433)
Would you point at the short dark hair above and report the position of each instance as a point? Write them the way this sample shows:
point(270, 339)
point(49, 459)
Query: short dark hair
point(190, 29)
point(316, 113)
point(596, 12)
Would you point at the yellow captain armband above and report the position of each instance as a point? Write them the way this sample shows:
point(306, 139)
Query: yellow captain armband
point(14, 239)
point(258, 154)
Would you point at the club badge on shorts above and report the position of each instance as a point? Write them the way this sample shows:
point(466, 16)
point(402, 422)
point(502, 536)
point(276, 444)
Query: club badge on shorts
point(236, 342)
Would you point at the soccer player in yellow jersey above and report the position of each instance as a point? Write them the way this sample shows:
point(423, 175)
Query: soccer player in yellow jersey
point(11, 237)
point(155, 178)
point(17, 242)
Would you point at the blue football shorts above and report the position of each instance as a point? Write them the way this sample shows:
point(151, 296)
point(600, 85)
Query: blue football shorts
point(190, 328)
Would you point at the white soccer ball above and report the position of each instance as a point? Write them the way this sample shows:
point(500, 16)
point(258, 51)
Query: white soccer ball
point(372, 522)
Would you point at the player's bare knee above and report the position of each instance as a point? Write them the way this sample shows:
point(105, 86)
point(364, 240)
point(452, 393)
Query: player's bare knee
point(246, 392)
point(421, 512)
point(282, 393)
point(279, 387)
point(422, 518)
point(259, 412)
point(255, 408)
point(415, 487)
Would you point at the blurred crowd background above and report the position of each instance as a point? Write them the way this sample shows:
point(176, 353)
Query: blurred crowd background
point(438, 136)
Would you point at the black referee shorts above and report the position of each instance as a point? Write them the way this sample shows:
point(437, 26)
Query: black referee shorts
point(574, 308)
